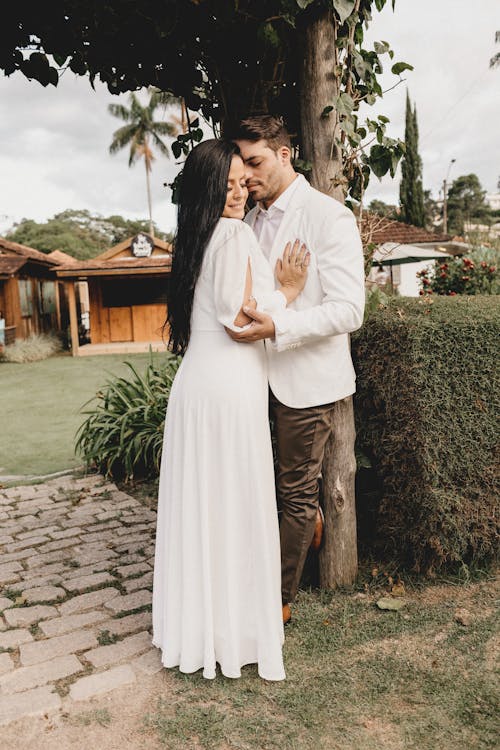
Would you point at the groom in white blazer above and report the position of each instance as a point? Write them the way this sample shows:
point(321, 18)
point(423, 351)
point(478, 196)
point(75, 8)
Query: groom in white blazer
point(307, 343)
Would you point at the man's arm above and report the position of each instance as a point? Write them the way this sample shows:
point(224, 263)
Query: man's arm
point(341, 273)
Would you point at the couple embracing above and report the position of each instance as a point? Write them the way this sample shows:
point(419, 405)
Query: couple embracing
point(261, 310)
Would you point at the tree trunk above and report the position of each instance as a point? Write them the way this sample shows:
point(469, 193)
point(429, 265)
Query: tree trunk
point(318, 88)
point(338, 558)
point(148, 186)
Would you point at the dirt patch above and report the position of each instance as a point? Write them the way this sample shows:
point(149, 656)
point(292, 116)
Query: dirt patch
point(111, 722)
point(468, 595)
point(383, 734)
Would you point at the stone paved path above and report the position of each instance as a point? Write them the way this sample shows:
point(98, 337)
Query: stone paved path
point(76, 568)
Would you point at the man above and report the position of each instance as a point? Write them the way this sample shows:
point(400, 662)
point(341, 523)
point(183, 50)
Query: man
point(307, 344)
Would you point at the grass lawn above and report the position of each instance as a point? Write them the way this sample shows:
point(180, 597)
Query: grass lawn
point(40, 408)
point(358, 678)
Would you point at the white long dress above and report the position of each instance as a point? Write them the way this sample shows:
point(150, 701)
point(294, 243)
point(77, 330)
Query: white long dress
point(216, 590)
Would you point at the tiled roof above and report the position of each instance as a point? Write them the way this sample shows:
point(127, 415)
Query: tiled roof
point(9, 264)
point(383, 230)
point(62, 258)
point(8, 247)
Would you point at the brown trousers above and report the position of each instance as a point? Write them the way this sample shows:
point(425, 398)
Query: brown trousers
point(300, 439)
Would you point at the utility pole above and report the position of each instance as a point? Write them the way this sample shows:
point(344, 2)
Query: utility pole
point(445, 198)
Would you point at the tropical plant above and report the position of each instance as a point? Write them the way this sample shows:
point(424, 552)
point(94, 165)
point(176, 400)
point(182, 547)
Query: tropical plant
point(142, 132)
point(122, 435)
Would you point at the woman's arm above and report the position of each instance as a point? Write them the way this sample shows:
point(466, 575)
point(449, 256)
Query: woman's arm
point(248, 301)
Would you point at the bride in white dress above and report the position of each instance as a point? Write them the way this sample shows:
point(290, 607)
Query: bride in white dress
point(216, 590)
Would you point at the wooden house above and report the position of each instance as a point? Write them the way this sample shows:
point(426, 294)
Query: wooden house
point(127, 288)
point(29, 296)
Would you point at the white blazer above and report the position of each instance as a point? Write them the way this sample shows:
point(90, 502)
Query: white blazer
point(310, 360)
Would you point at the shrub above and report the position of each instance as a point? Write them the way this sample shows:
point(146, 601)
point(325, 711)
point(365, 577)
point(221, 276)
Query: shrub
point(426, 411)
point(32, 349)
point(475, 274)
point(122, 435)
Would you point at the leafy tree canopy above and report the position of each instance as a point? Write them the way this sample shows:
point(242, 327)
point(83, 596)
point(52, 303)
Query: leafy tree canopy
point(225, 58)
point(383, 209)
point(466, 203)
point(81, 234)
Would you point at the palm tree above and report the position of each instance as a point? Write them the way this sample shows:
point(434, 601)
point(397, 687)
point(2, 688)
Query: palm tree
point(142, 133)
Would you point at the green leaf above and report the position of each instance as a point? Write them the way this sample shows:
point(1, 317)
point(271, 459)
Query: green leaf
point(381, 48)
point(326, 111)
point(53, 76)
point(176, 149)
point(304, 3)
point(344, 8)
point(380, 160)
point(398, 68)
point(60, 59)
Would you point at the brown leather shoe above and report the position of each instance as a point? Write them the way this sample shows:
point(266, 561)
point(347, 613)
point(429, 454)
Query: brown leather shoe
point(318, 530)
point(287, 614)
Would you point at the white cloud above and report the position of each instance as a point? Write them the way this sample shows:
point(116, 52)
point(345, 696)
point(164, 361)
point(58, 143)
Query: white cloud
point(54, 142)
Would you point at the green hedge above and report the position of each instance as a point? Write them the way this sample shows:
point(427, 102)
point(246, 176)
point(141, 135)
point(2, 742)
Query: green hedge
point(427, 415)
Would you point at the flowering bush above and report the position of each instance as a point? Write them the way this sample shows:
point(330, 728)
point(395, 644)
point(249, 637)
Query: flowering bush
point(459, 276)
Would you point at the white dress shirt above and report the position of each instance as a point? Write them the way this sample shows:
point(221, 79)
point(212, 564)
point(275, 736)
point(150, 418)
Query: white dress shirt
point(268, 220)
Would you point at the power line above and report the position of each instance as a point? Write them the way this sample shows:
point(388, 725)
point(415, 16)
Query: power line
point(455, 104)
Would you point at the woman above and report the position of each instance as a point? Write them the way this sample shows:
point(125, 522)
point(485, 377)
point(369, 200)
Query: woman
point(216, 591)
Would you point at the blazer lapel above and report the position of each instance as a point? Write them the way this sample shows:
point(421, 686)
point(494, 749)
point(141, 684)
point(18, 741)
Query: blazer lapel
point(289, 229)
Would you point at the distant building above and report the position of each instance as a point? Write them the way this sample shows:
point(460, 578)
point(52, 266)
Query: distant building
point(126, 289)
point(399, 249)
point(493, 201)
point(31, 300)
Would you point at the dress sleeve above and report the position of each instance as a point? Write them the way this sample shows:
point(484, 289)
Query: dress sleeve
point(230, 262)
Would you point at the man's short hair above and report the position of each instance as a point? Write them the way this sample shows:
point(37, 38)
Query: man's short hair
point(261, 127)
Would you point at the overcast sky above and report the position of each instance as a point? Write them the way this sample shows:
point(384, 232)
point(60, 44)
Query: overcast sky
point(54, 141)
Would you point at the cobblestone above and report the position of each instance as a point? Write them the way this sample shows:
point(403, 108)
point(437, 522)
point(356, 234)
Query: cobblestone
point(36, 532)
point(62, 625)
point(6, 663)
point(24, 543)
point(73, 531)
point(43, 594)
point(31, 703)
point(14, 638)
point(51, 580)
point(132, 645)
point(60, 544)
point(148, 663)
point(74, 542)
point(5, 603)
point(43, 570)
point(127, 624)
point(25, 678)
point(96, 684)
point(125, 571)
point(8, 571)
point(129, 602)
point(133, 584)
point(23, 616)
point(84, 602)
point(87, 582)
point(39, 651)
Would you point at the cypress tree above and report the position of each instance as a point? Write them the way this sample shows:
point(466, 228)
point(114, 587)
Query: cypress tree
point(411, 192)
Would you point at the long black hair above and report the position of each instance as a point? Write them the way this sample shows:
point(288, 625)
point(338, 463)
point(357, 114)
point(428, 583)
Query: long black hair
point(202, 197)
